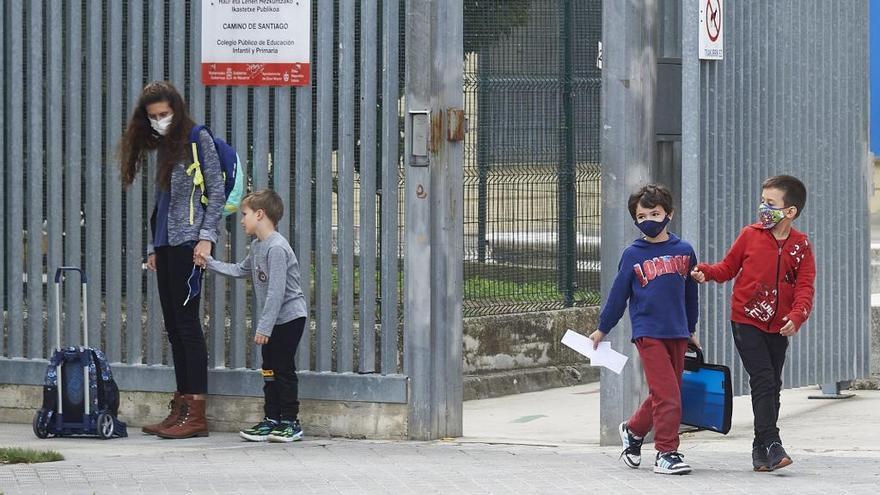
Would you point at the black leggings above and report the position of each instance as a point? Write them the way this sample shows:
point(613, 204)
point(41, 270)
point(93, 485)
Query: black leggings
point(174, 264)
point(281, 386)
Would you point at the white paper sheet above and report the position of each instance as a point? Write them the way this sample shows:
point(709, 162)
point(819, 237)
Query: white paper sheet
point(603, 356)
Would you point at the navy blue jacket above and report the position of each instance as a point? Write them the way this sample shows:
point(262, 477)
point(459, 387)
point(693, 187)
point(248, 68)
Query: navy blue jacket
point(655, 279)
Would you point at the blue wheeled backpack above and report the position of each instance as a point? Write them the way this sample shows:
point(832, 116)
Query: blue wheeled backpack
point(234, 182)
point(80, 396)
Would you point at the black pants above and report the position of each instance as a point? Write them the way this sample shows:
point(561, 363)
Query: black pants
point(763, 355)
point(174, 264)
point(280, 384)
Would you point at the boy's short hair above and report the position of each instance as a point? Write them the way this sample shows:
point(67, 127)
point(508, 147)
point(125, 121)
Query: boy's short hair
point(794, 191)
point(268, 201)
point(650, 196)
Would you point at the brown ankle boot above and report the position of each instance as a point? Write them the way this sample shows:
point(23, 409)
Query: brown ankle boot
point(169, 420)
point(191, 420)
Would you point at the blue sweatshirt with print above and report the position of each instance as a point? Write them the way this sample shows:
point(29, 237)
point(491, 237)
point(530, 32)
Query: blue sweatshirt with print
point(655, 279)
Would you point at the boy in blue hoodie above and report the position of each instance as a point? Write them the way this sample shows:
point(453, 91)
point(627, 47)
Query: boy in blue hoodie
point(653, 277)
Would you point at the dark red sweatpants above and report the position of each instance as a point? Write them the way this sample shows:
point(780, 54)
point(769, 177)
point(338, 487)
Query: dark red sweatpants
point(663, 362)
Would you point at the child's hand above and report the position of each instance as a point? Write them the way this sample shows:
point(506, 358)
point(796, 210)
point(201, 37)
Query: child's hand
point(787, 330)
point(597, 337)
point(698, 276)
point(261, 339)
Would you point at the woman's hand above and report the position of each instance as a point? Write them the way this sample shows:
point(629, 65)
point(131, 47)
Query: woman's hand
point(151, 262)
point(202, 251)
point(597, 337)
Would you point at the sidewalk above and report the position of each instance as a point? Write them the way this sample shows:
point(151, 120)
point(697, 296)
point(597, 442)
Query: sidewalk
point(544, 442)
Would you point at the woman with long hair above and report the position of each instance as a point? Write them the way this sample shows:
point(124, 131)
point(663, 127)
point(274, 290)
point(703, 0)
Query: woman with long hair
point(184, 226)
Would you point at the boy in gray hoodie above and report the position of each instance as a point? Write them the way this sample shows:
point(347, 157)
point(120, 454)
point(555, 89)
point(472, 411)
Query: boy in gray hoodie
point(281, 313)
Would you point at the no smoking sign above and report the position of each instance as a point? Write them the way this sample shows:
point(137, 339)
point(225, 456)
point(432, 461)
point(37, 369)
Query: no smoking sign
point(711, 30)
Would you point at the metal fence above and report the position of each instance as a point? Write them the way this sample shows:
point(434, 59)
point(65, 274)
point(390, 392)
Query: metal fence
point(795, 101)
point(72, 72)
point(531, 155)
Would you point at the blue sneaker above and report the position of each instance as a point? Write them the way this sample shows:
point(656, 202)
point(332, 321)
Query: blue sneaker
point(286, 431)
point(670, 463)
point(260, 431)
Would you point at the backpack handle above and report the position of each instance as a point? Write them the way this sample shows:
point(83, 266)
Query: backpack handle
point(693, 357)
point(58, 276)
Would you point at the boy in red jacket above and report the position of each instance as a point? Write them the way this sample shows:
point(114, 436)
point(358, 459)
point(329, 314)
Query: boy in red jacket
point(772, 297)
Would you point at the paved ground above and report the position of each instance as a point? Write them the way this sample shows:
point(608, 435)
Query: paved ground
point(532, 443)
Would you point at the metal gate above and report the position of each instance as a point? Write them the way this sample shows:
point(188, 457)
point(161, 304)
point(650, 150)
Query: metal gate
point(72, 72)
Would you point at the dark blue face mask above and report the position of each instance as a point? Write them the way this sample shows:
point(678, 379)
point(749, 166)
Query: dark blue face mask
point(652, 228)
point(194, 284)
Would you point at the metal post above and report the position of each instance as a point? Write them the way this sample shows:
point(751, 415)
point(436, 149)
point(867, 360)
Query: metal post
point(566, 252)
point(483, 142)
point(434, 243)
point(690, 125)
point(628, 86)
point(417, 260)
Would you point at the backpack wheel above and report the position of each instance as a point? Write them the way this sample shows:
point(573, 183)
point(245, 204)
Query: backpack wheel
point(40, 428)
point(106, 426)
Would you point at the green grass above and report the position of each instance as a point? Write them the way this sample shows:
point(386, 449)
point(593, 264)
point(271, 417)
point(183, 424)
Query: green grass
point(476, 288)
point(13, 455)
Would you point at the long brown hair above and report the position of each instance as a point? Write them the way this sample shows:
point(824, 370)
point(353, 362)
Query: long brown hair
point(139, 136)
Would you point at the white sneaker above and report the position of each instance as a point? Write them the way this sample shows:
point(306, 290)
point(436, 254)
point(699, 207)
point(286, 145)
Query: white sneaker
point(632, 447)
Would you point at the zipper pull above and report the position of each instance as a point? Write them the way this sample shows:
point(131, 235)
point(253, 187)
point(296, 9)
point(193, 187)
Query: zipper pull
point(780, 251)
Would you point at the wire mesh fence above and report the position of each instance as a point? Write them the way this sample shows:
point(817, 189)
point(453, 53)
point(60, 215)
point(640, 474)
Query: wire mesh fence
point(532, 205)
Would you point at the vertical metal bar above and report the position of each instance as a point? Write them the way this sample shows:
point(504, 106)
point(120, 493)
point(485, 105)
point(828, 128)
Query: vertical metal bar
point(3, 165)
point(113, 214)
point(390, 164)
point(281, 173)
point(447, 241)
point(260, 164)
point(367, 337)
point(629, 42)
point(217, 344)
point(196, 96)
point(134, 214)
point(345, 195)
point(863, 104)
point(281, 158)
point(35, 165)
point(73, 167)
point(156, 62)
point(483, 139)
point(260, 178)
point(94, 220)
point(177, 48)
point(324, 186)
point(417, 354)
point(14, 105)
point(240, 337)
point(303, 195)
point(566, 251)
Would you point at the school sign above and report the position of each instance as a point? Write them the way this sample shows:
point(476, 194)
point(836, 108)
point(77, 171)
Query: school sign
point(256, 42)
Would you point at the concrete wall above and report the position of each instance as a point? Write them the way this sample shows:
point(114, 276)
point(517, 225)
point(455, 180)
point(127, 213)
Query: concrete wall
point(227, 413)
point(509, 354)
point(529, 340)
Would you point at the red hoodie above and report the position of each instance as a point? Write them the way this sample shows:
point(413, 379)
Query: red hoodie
point(773, 279)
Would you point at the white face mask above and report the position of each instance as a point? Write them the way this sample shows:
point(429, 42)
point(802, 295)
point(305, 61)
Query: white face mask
point(161, 126)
